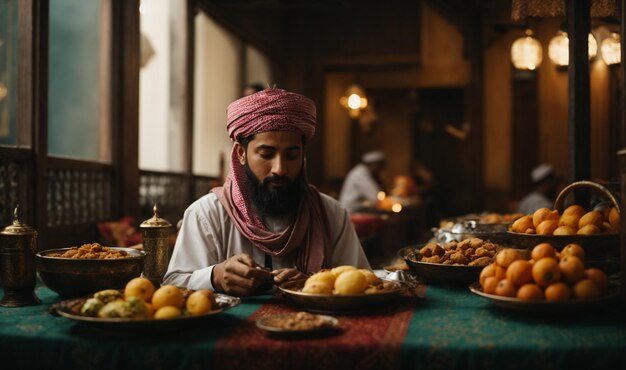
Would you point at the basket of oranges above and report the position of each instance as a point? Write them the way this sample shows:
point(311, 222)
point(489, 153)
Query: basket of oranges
point(596, 231)
point(549, 281)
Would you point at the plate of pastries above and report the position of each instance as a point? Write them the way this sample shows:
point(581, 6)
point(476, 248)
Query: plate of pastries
point(341, 289)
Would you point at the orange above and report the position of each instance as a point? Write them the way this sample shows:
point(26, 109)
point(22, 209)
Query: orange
point(522, 224)
point(575, 210)
point(505, 288)
point(530, 291)
point(490, 284)
point(589, 229)
point(519, 272)
point(542, 250)
point(546, 271)
point(492, 270)
point(599, 278)
point(564, 230)
point(543, 214)
point(591, 218)
point(167, 295)
point(486, 272)
point(558, 292)
point(149, 310)
point(167, 312)
point(614, 219)
point(574, 250)
point(199, 302)
point(572, 268)
point(139, 287)
point(506, 256)
point(547, 227)
point(586, 289)
point(570, 220)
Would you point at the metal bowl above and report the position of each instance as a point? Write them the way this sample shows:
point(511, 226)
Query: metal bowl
point(73, 277)
point(438, 273)
point(493, 232)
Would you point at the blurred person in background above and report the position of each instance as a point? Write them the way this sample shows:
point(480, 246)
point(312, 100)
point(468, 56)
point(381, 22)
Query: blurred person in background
point(544, 191)
point(363, 182)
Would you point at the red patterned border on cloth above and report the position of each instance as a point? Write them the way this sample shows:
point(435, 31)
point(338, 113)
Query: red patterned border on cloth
point(366, 341)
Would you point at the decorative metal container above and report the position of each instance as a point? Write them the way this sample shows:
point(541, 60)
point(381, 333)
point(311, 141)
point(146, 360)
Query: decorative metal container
point(17, 264)
point(156, 232)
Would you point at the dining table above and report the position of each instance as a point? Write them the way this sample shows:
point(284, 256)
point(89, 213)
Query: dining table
point(441, 328)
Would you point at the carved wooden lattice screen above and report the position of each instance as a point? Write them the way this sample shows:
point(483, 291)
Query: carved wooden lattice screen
point(172, 192)
point(78, 196)
point(14, 177)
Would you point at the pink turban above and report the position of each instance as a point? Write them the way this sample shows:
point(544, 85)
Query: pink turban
point(307, 239)
point(271, 110)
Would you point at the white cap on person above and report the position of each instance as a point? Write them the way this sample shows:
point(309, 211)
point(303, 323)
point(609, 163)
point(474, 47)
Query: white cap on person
point(373, 157)
point(541, 172)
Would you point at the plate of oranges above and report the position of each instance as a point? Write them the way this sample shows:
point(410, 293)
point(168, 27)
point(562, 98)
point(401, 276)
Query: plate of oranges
point(341, 289)
point(140, 305)
point(549, 281)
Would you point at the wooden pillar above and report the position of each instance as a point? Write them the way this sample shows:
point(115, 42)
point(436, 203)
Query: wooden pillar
point(125, 107)
point(32, 102)
point(579, 117)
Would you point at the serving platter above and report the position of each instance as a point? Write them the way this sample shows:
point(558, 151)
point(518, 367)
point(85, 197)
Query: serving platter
point(338, 303)
point(270, 325)
point(70, 309)
point(547, 307)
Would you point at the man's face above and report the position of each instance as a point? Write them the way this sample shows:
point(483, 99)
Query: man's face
point(273, 162)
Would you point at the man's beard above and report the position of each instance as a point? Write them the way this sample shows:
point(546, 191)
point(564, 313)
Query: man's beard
point(275, 201)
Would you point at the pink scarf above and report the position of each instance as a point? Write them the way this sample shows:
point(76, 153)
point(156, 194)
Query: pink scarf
point(308, 235)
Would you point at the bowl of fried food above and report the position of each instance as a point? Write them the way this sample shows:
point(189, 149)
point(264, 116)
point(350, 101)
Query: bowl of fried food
point(341, 289)
point(78, 271)
point(450, 263)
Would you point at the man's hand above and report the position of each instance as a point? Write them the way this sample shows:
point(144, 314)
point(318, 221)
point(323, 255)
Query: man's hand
point(287, 274)
point(240, 275)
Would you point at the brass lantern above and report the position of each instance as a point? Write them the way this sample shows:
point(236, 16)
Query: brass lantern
point(354, 100)
point(611, 49)
point(526, 52)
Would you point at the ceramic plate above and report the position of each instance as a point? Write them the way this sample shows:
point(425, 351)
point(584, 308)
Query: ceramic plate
point(71, 309)
point(542, 306)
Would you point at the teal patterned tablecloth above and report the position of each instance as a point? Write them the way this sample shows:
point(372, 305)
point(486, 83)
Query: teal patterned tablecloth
point(449, 329)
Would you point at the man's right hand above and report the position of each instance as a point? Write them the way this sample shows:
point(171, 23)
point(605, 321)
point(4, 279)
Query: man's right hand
point(240, 275)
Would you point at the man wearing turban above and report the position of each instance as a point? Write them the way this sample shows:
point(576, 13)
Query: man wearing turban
point(266, 224)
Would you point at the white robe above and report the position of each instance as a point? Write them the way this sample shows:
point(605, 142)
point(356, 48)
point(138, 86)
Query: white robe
point(533, 201)
point(208, 237)
point(358, 186)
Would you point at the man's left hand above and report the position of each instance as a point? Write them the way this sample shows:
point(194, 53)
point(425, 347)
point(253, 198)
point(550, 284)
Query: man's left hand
point(287, 274)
